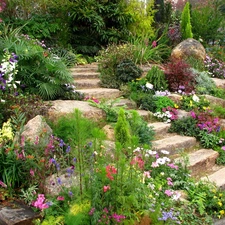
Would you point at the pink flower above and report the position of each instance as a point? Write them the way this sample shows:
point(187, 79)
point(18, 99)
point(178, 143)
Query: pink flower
point(154, 44)
point(154, 165)
point(171, 165)
point(223, 148)
point(31, 172)
point(147, 174)
point(106, 188)
point(39, 203)
point(168, 192)
point(60, 198)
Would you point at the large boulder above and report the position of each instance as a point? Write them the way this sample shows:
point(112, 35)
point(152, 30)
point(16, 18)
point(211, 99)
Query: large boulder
point(189, 48)
point(37, 130)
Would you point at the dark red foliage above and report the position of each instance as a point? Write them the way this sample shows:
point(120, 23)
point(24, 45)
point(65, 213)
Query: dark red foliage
point(179, 76)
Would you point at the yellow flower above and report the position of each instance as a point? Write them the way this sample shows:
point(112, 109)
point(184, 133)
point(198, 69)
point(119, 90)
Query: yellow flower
point(6, 133)
point(220, 194)
point(220, 203)
point(214, 197)
point(221, 212)
point(176, 106)
point(191, 104)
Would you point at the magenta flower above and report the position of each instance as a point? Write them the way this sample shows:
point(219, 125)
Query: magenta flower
point(168, 192)
point(106, 188)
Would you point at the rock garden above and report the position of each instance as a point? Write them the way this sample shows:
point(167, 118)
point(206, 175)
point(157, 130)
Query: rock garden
point(120, 121)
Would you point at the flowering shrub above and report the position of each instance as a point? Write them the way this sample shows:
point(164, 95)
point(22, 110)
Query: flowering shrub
point(215, 67)
point(193, 102)
point(167, 114)
point(6, 133)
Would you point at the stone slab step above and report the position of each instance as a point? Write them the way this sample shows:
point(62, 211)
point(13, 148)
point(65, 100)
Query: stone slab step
point(219, 83)
point(217, 177)
point(87, 83)
point(174, 143)
point(64, 107)
point(201, 161)
point(215, 101)
point(80, 69)
point(101, 93)
point(85, 75)
point(160, 128)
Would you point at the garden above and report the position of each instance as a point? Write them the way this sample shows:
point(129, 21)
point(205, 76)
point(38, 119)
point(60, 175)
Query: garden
point(128, 182)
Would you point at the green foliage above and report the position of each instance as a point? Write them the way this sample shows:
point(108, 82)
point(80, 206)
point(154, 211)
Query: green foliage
point(140, 128)
point(95, 24)
point(110, 59)
point(156, 77)
point(143, 18)
point(206, 21)
point(186, 28)
point(193, 102)
point(208, 140)
point(218, 111)
point(127, 71)
point(39, 71)
point(204, 84)
point(162, 102)
point(27, 104)
point(185, 126)
point(122, 134)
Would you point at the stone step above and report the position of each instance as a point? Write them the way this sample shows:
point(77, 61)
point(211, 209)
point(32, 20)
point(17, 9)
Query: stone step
point(174, 143)
point(85, 75)
point(64, 107)
point(219, 82)
point(217, 177)
point(87, 83)
point(80, 69)
point(160, 128)
point(200, 161)
point(101, 93)
point(215, 101)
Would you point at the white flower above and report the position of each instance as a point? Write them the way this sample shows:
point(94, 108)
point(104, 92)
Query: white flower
point(165, 152)
point(195, 98)
point(149, 86)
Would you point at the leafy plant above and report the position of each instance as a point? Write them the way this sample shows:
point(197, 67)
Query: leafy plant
point(127, 71)
point(186, 29)
point(156, 77)
point(208, 140)
point(122, 134)
point(178, 74)
point(194, 102)
point(185, 126)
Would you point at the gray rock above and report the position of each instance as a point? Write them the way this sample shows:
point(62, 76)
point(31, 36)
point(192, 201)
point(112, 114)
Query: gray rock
point(37, 127)
point(17, 214)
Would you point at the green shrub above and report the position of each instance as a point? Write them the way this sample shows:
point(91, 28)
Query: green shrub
point(186, 29)
point(140, 128)
point(156, 77)
point(204, 84)
point(122, 134)
point(127, 71)
point(186, 126)
point(208, 140)
point(219, 111)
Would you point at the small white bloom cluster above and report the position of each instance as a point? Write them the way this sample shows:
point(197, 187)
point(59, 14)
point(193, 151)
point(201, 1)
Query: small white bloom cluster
point(164, 116)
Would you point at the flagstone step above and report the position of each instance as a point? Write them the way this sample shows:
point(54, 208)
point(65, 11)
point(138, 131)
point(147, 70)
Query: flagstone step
point(200, 161)
point(160, 128)
point(87, 83)
point(85, 75)
point(101, 93)
point(215, 101)
point(218, 178)
point(174, 143)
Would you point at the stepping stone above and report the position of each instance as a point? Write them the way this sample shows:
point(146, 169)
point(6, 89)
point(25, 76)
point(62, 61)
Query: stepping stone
point(218, 178)
point(63, 107)
point(85, 75)
point(16, 213)
point(174, 143)
point(215, 101)
point(160, 128)
point(146, 115)
point(200, 161)
point(219, 83)
point(101, 93)
point(87, 83)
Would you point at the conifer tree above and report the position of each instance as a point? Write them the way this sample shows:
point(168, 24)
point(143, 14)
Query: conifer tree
point(186, 28)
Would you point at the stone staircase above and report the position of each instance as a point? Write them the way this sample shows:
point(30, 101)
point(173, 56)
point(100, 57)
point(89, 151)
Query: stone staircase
point(201, 161)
